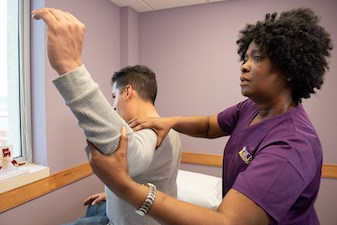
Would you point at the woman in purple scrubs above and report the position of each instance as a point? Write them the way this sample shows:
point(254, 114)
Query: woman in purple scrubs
point(273, 159)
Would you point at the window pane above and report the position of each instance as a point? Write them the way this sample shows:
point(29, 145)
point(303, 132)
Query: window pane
point(9, 76)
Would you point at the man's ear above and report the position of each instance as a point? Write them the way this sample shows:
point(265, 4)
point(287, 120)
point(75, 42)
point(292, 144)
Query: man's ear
point(128, 91)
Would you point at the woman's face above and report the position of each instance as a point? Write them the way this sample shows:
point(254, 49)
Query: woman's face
point(260, 80)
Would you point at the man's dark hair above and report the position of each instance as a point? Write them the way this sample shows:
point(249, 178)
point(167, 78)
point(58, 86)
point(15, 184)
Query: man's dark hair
point(141, 78)
point(296, 44)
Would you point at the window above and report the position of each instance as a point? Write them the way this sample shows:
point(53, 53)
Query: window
point(14, 77)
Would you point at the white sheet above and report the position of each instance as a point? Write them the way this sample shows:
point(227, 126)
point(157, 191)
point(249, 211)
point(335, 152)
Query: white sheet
point(199, 189)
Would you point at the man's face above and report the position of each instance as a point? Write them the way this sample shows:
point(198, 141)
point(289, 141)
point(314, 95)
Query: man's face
point(118, 101)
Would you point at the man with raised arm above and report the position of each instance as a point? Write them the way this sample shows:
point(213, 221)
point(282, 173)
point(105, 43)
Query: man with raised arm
point(134, 93)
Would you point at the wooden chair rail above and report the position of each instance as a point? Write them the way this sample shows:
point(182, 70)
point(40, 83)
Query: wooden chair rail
point(20, 195)
point(328, 170)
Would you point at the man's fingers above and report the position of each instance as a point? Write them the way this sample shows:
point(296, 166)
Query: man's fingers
point(69, 16)
point(51, 16)
point(45, 14)
point(89, 200)
point(98, 200)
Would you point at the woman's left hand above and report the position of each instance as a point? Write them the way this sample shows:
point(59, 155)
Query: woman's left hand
point(111, 169)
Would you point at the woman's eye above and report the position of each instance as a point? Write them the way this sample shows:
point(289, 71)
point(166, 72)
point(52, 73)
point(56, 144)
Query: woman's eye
point(257, 58)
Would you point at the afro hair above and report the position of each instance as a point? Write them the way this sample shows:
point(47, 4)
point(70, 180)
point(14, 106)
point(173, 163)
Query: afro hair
point(294, 42)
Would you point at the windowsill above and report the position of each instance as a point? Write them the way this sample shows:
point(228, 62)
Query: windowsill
point(25, 193)
point(15, 177)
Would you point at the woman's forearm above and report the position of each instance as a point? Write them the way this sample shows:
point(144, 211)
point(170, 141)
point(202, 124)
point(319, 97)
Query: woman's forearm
point(198, 126)
point(169, 210)
point(173, 211)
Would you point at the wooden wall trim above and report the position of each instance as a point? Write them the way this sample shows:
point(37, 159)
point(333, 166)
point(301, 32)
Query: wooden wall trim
point(20, 195)
point(201, 159)
point(328, 170)
point(25, 193)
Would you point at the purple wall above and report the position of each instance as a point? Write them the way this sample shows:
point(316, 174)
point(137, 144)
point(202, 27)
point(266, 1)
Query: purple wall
point(193, 52)
point(129, 36)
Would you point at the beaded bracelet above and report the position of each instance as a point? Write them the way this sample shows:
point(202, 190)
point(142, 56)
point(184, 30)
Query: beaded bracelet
point(151, 196)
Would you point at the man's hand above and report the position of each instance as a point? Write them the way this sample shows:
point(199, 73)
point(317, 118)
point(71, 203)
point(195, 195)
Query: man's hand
point(95, 199)
point(65, 38)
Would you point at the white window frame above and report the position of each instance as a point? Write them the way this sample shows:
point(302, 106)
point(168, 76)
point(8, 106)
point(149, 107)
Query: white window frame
point(29, 172)
point(24, 106)
point(25, 87)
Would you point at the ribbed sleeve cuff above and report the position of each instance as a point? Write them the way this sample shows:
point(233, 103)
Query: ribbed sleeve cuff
point(74, 83)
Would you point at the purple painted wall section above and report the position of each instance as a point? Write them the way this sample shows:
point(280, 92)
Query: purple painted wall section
point(129, 37)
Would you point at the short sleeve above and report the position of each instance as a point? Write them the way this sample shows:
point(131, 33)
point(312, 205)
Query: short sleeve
point(229, 118)
point(272, 181)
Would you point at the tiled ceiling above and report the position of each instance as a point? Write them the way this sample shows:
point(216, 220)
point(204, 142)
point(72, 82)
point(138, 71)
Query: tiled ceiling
point(152, 5)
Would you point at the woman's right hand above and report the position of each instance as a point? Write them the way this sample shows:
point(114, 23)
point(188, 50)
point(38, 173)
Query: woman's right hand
point(94, 199)
point(160, 125)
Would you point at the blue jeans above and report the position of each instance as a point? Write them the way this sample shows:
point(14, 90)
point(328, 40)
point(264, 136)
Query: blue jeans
point(96, 215)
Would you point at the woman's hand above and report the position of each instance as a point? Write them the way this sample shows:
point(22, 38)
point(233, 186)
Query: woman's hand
point(160, 125)
point(95, 199)
point(111, 169)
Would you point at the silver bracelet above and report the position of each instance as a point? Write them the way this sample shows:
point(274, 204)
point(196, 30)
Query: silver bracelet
point(151, 196)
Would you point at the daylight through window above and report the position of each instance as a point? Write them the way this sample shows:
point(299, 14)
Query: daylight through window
point(13, 77)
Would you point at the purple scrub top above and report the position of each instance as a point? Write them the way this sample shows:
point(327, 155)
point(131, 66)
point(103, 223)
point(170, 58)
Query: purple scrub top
point(276, 163)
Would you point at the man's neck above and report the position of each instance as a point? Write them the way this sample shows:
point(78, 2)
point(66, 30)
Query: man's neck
point(144, 109)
